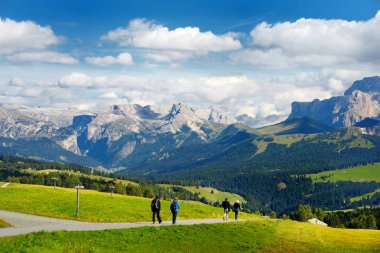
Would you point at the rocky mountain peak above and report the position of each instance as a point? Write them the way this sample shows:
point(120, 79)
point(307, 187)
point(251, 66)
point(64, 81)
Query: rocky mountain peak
point(217, 116)
point(144, 112)
point(181, 108)
point(368, 85)
point(360, 101)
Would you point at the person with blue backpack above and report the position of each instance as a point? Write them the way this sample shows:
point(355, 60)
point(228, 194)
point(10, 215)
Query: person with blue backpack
point(174, 208)
point(156, 208)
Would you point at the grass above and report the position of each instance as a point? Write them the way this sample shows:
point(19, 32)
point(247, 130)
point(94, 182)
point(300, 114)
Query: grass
point(305, 237)
point(77, 173)
point(215, 196)
point(261, 235)
point(287, 140)
point(365, 173)
point(364, 196)
point(94, 206)
point(4, 224)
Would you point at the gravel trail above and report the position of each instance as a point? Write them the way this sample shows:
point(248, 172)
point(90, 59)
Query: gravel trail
point(26, 223)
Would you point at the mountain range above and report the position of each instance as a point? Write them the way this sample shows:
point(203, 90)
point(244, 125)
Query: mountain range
point(133, 136)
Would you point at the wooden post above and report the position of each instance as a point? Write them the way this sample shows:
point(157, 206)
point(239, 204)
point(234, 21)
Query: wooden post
point(78, 187)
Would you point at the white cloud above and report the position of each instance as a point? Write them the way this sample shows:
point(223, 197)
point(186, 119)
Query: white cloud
point(45, 57)
point(16, 81)
point(122, 59)
point(168, 56)
point(24, 35)
point(171, 45)
point(111, 95)
point(145, 34)
point(313, 42)
point(82, 80)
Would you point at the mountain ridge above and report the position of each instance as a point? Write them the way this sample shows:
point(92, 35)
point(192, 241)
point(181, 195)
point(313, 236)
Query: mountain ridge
point(360, 101)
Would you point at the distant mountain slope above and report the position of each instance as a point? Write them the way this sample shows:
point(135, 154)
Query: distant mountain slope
point(360, 101)
point(369, 126)
point(303, 125)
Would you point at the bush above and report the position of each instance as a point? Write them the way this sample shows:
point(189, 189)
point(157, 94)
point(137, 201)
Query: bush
point(304, 213)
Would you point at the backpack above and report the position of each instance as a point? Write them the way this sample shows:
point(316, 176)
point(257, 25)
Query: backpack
point(173, 206)
point(155, 204)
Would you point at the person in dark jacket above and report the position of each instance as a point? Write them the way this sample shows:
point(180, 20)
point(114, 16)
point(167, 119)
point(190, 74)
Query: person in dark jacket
point(226, 207)
point(237, 209)
point(174, 208)
point(156, 208)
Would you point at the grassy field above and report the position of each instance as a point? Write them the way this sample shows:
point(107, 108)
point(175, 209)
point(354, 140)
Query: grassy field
point(356, 174)
point(261, 235)
point(4, 224)
point(364, 196)
point(215, 196)
point(263, 142)
point(77, 173)
point(94, 206)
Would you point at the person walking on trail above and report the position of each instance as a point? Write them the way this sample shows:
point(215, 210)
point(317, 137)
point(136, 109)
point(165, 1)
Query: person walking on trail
point(174, 208)
point(237, 209)
point(226, 207)
point(156, 208)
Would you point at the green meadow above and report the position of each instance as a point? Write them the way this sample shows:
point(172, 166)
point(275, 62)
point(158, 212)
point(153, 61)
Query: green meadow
point(211, 194)
point(94, 206)
point(365, 173)
point(260, 235)
point(255, 234)
point(364, 196)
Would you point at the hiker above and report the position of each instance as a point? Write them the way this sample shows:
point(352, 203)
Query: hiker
point(237, 208)
point(174, 208)
point(156, 208)
point(226, 207)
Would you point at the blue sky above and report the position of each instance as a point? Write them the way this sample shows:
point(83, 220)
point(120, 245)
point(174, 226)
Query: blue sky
point(253, 57)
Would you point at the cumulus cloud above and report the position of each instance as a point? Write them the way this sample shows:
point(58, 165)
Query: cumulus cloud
point(145, 34)
point(122, 59)
point(24, 35)
point(82, 80)
point(171, 45)
point(45, 57)
point(313, 42)
point(168, 56)
point(26, 41)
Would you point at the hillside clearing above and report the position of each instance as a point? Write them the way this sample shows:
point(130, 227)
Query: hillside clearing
point(358, 198)
point(77, 173)
point(364, 173)
point(210, 194)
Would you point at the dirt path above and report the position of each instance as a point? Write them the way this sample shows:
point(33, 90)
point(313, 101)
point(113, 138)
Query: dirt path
point(5, 185)
point(27, 223)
